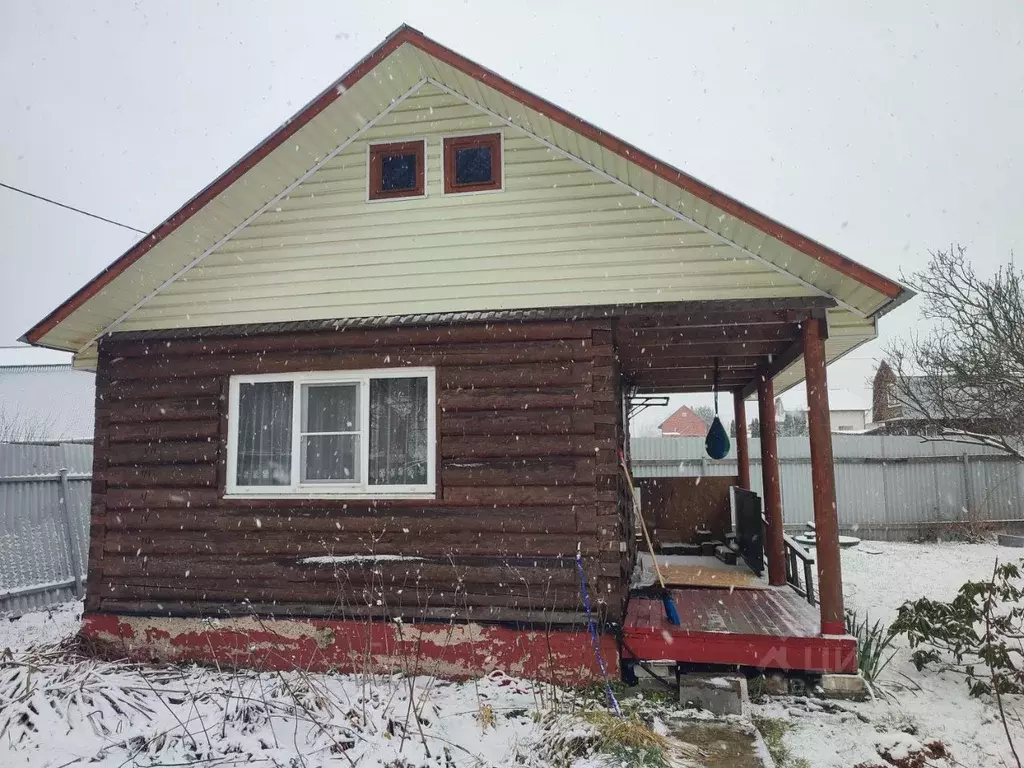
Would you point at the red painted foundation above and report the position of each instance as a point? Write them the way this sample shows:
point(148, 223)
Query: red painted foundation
point(452, 651)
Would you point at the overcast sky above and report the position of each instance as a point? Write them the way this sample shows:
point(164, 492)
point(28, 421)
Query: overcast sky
point(881, 129)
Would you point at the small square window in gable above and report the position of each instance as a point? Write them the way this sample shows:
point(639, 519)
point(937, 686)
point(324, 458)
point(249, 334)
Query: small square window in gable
point(472, 163)
point(396, 170)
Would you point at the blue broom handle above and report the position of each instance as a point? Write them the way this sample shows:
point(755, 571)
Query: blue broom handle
point(593, 635)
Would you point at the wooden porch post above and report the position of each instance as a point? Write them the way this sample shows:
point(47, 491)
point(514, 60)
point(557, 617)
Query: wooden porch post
point(826, 521)
point(742, 447)
point(775, 546)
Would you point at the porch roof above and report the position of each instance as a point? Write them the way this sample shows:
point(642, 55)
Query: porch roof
point(729, 344)
point(665, 347)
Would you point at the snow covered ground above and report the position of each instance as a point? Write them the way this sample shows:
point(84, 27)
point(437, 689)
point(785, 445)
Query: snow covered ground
point(58, 709)
point(50, 625)
point(912, 707)
point(55, 711)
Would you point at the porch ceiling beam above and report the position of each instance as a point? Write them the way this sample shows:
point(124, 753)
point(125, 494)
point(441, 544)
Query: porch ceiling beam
point(693, 335)
point(741, 374)
point(711, 350)
point(780, 362)
point(666, 381)
point(673, 362)
point(674, 389)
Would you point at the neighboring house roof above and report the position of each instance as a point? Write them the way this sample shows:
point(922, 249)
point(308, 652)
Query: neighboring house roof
point(919, 402)
point(838, 400)
point(744, 254)
point(684, 423)
point(46, 402)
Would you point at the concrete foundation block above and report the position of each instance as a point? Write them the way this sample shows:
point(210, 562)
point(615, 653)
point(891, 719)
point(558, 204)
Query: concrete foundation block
point(663, 669)
point(719, 694)
point(852, 687)
point(648, 683)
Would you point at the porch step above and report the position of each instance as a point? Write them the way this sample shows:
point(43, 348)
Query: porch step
point(725, 554)
point(708, 548)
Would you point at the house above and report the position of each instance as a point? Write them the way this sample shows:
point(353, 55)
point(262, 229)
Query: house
point(45, 403)
point(847, 412)
point(683, 423)
point(915, 412)
point(363, 398)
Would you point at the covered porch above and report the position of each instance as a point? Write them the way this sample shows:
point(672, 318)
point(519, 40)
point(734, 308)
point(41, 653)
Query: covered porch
point(779, 607)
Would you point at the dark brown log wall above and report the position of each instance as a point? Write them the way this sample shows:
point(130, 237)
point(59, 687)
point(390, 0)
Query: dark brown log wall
point(529, 425)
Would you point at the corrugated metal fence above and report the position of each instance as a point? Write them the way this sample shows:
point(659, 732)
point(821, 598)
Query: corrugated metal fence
point(886, 487)
point(44, 523)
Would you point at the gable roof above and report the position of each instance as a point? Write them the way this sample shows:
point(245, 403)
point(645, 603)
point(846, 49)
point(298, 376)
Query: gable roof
point(405, 60)
point(684, 423)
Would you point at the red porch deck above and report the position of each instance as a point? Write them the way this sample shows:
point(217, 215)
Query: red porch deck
point(771, 628)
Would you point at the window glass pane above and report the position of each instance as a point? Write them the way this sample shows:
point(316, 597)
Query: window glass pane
point(398, 172)
point(398, 431)
point(330, 457)
point(330, 408)
point(264, 434)
point(473, 165)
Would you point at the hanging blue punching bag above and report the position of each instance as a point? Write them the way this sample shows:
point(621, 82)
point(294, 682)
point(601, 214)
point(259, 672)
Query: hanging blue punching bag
point(717, 442)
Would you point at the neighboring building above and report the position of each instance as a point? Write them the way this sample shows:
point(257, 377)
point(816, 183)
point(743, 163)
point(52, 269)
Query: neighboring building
point(371, 382)
point(885, 404)
point(683, 423)
point(847, 411)
point(41, 403)
point(896, 413)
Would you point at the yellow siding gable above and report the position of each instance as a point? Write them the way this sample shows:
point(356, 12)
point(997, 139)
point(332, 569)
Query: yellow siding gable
point(559, 234)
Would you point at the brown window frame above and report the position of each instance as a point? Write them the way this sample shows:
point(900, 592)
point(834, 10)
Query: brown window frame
point(415, 147)
point(454, 143)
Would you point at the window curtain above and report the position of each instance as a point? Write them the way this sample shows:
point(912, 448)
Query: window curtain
point(327, 457)
point(264, 434)
point(398, 431)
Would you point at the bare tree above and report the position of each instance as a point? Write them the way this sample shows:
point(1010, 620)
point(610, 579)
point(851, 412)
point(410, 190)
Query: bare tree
point(15, 428)
point(965, 377)
point(705, 412)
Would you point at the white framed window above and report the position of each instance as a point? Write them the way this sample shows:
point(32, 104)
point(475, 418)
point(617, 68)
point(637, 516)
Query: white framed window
point(332, 433)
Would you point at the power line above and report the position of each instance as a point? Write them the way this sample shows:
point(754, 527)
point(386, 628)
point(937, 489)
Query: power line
point(71, 208)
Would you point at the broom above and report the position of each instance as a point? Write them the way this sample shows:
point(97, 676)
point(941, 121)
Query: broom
point(671, 614)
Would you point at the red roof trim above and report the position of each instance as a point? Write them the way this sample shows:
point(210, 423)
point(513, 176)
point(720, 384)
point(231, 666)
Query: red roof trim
point(406, 34)
point(218, 185)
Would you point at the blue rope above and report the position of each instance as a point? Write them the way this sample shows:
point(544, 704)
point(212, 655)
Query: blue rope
point(593, 635)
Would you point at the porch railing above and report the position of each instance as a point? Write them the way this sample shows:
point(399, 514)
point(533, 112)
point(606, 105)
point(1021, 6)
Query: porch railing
point(799, 568)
